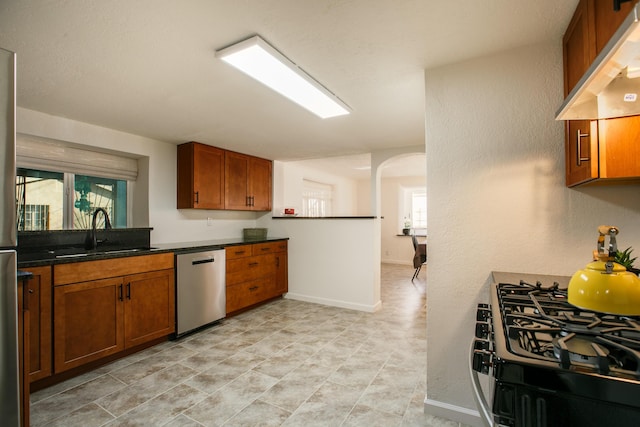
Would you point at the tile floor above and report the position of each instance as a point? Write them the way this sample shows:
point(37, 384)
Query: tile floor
point(286, 363)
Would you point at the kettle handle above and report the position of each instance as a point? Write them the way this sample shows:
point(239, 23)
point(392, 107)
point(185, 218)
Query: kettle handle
point(609, 254)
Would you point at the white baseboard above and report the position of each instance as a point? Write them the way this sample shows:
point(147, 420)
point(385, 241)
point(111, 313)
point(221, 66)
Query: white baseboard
point(453, 412)
point(335, 303)
point(396, 261)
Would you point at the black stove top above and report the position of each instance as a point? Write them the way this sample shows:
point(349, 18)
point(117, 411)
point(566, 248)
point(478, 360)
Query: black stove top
point(553, 364)
point(541, 325)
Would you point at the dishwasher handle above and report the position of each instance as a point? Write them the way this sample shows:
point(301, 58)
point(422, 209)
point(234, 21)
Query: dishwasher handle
point(202, 261)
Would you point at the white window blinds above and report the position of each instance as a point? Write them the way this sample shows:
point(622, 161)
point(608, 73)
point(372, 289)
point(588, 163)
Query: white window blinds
point(58, 156)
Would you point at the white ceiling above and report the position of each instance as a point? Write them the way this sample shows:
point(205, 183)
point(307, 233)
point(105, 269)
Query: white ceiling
point(148, 67)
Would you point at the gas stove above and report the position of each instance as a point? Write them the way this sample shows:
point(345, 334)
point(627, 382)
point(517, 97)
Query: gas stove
point(552, 364)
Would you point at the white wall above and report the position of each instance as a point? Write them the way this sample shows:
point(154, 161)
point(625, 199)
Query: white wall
point(497, 200)
point(156, 183)
point(332, 261)
point(395, 249)
point(288, 191)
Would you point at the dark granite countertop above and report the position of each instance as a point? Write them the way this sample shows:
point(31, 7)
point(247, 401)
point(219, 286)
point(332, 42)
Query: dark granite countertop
point(42, 257)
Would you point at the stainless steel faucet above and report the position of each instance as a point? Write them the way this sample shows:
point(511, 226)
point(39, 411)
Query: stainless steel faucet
point(91, 241)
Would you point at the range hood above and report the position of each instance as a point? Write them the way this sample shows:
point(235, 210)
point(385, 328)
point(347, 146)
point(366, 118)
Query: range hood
point(611, 86)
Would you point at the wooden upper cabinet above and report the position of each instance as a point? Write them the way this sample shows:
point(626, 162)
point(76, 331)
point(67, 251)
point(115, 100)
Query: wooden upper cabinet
point(581, 151)
point(596, 150)
point(259, 183)
point(619, 148)
point(200, 176)
point(579, 47)
point(607, 20)
point(247, 182)
point(212, 178)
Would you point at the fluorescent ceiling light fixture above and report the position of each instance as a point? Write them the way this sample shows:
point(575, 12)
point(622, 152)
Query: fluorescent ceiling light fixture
point(256, 58)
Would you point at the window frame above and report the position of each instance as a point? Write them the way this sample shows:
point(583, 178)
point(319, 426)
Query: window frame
point(68, 195)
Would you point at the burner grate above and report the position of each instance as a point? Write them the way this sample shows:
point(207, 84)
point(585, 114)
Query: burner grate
point(540, 324)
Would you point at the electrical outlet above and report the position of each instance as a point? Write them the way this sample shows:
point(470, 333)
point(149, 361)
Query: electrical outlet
point(209, 222)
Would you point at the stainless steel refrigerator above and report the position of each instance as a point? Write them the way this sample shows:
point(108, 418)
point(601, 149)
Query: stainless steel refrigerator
point(9, 373)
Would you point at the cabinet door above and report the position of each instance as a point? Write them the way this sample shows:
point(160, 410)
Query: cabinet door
point(607, 20)
point(39, 303)
point(200, 178)
point(282, 276)
point(581, 151)
point(619, 147)
point(23, 350)
point(260, 173)
point(149, 306)
point(247, 182)
point(578, 45)
point(236, 195)
point(88, 322)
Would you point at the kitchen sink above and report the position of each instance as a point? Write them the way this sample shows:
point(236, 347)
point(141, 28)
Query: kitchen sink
point(81, 252)
point(73, 255)
point(122, 251)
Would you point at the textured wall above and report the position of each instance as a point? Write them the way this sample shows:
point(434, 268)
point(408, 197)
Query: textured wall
point(497, 200)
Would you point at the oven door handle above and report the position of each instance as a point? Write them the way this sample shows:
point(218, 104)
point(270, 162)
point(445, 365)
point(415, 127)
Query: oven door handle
point(485, 412)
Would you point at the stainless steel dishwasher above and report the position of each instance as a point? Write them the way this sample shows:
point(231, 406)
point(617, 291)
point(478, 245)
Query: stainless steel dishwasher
point(200, 295)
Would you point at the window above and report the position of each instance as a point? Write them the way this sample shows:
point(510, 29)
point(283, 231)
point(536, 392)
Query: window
point(413, 209)
point(419, 209)
point(46, 202)
point(316, 198)
point(35, 217)
point(39, 188)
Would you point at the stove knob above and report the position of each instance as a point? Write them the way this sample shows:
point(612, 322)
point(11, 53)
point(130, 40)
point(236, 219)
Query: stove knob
point(483, 314)
point(482, 330)
point(481, 345)
point(481, 361)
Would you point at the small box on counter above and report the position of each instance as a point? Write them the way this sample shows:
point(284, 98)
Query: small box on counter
point(254, 233)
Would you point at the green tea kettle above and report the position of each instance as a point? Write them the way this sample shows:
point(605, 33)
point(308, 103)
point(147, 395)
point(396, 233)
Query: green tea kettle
point(604, 285)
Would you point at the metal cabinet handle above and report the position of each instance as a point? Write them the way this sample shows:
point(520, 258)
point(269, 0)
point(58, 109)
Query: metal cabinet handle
point(129, 290)
point(120, 297)
point(253, 288)
point(253, 264)
point(579, 157)
point(197, 198)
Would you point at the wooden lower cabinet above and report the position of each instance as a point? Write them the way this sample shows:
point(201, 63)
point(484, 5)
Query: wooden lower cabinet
point(38, 295)
point(149, 309)
point(23, 350)
point(255, 273)
point(282, 273)
point(97, 318)
point(246, 294)
point(88, 322)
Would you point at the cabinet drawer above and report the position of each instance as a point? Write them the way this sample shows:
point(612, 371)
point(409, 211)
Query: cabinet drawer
point(250, 268)
point(233, 252)
point(267, 248)
point(245, 294)
point(100, 269)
